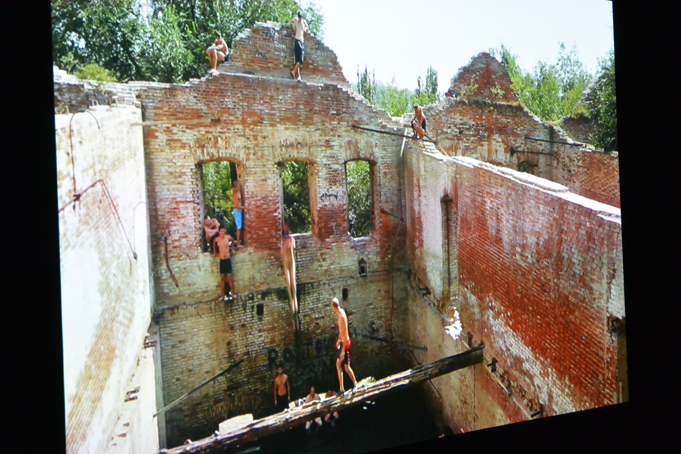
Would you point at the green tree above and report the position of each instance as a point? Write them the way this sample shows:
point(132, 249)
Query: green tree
point(217, 186)
point(296, 189)
point(394, 100)
point(358, 174)
point(165, 43)
point(366, 86)
point(104, 32)
point(428, 94)
point(553, 90)
point(602, 106)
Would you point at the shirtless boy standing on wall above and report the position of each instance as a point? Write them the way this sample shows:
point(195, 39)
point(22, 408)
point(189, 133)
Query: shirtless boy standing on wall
point(282, 390)
point(343, 345)
point(222, 241)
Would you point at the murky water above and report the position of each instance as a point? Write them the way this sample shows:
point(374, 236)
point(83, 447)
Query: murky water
point(395, 419)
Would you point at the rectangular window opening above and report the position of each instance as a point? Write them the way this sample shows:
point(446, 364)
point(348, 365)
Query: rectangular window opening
point(218, 203)
point(360, 200)
point(296, 196)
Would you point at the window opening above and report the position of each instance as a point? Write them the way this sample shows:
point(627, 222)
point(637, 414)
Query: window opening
point(360, 200)
point(345, 293)
point(217, 197)
point(260, 309)
point(296, 196)
point(362, 267)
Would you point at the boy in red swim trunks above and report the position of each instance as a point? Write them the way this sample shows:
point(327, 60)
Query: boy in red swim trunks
point(343, 345)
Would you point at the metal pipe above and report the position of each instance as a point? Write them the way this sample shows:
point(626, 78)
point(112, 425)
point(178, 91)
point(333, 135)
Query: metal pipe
point(392, 133)
point(572, 144)
point(169, 406)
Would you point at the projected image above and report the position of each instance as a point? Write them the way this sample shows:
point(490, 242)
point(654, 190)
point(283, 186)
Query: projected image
point(288, 227)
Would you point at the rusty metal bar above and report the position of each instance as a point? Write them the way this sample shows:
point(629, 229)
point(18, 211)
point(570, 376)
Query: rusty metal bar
point(392, 133)
point(574, 144)
point(176, 401)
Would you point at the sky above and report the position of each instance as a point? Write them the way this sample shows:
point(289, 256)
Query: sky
point(400, 39)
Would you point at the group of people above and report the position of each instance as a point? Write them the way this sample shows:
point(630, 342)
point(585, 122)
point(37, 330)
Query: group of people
point(219, 51)
point(282, 386)
point(220, 243)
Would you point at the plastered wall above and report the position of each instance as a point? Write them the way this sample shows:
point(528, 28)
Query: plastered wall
point(105, 282)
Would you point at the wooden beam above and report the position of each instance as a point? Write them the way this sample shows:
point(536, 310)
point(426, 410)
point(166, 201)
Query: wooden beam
point(298, 415)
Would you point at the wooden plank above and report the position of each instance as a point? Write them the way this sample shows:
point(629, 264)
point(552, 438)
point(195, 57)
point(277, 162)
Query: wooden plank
point(298, 415)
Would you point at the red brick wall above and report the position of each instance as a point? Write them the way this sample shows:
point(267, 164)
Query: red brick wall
point(539, 276)
point(267, 50)
point(487, 73)
point(263, 122)
point(578, 127)
point(486, 127)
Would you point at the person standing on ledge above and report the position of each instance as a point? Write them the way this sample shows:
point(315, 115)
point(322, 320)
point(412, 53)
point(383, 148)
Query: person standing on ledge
point(288, 244)
point(299, 28)
point(343, 346)
point(222, 242)
point(217, 52)
point(418, 124)
point(282, 390)
point(238, 211)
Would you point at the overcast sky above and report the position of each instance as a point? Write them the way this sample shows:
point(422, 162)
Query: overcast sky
point(401, 39)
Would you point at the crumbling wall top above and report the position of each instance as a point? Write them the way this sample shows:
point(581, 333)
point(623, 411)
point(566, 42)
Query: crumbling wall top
point(267, 50)
point(490, 76)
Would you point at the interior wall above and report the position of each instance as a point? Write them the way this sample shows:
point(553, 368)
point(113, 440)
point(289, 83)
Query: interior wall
point(105, 281)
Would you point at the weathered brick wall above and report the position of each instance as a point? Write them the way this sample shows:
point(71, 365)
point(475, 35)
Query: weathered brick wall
point(105, 279)
point(267, 50)
point(590, 173)
point(428, 179)
point(490, 76)
point(539, 278)
point(263, 122)
point(578, 127)
point(72, 95)
point(200, 340)
point(486, 127)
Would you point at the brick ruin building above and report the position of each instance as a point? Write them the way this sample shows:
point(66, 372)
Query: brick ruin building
point(528, 263)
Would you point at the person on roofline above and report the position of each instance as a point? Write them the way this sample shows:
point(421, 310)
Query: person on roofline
point(217, 52)
point(418, 124)
point(299, 28)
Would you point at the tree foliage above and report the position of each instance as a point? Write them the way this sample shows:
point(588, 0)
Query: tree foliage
point(602, 106)
point(394, 100)
point(366, 85)
point(428, 94)
point(360, 213)
point(163, 41)
point(296, 189)
point(218, 201)
point(553, 90)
